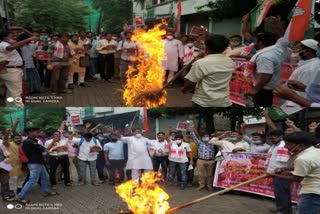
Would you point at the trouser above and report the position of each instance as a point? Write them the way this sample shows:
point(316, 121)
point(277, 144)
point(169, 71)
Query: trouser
point(16, 182)
point(157, 161)
point(205, 172)
point(93, 66)
point(54, 162)
point(263, 98)
point(116, 165)
point(309, 204)
point(74, 161)
point(41, 70)
point(135, 174)
point(106, 66)
point(33, 80)
point(100, 164)
point(83, 170)
point(183, 171)
point(36, 171)
point(59, 77)
point(282, 195)
point(117, 67)
point(124, 65)
point(81, 77)
point(4, 181)
point(170, 75)
point(12, 79)
point(190, 173)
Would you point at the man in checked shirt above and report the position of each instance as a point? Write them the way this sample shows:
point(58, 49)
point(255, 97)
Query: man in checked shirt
point(206, 154)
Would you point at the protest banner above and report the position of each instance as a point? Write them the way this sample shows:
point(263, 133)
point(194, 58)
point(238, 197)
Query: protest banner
point(182, 126)
point(240, 84)
point(76, 119)
point(240, 167)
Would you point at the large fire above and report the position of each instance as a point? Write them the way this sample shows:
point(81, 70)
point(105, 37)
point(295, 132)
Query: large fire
point(148, 76)
point(146, 197)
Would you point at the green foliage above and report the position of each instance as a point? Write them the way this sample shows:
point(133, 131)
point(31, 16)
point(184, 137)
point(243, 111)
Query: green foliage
point(46, 118)
point(4, 123)
point(114, 14)
point(54, 15)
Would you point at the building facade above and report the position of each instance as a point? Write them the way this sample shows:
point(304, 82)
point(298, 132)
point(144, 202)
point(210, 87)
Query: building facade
point(155, 10)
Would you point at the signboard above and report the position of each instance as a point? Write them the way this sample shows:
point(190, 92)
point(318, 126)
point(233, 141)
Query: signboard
point(240, 84)
point(76, 119)
point(182, 126)
point(240, 167)
point(197, 30)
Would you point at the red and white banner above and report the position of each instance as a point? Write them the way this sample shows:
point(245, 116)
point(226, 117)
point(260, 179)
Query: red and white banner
point(240, 84)
point(76, 120)
point(240, 167)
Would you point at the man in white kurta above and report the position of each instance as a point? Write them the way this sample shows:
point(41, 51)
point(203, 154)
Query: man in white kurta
point(138, 156)
point(174, 51)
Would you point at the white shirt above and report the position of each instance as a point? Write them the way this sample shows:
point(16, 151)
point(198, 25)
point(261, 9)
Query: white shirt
point(159, 149)
point(306, 72)
point(53, 152)
point(228, 146)
point(131, 49)
point(178, 153)
point(138, 156)
point(174, 51)
point(307, 165)
point(84, 149)
point(105, 43)
point(13, 57)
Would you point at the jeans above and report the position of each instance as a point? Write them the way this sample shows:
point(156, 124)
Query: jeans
point(309, 204)
point(157, 161)
point(83, 170)
point(54, 162)
point(282, 195)
point(36, 171)
point(119, 165)
point(183, 171)
point(190, 173)
point(100, 164)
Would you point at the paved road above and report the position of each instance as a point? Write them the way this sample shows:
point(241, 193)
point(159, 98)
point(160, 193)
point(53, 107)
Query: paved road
point(95, 200)
point(99, 94)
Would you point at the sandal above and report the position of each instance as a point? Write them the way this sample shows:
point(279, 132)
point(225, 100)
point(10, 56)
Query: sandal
point(22, 201)
point(8, 199)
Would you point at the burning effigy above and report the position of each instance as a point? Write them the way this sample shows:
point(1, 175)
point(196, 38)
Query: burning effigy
point(146, 79)
point(146, 197)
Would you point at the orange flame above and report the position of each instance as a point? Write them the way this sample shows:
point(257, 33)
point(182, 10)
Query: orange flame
point(149, 75)
point(146, 197)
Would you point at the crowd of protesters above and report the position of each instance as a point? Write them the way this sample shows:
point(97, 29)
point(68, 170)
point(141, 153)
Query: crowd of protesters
point(292, 155)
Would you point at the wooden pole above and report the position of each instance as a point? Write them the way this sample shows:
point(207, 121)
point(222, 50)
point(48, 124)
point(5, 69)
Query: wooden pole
point(175, 209)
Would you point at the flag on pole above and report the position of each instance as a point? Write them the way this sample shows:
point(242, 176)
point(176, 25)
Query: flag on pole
point(143, 119)
point(177, 16)
point(303, 12)
point(258, 13)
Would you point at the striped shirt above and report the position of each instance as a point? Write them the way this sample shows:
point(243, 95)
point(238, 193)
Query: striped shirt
point(205, 151)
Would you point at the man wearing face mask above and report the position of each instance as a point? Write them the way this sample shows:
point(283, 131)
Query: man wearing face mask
point(114, 158)
point(235, 46)
point(231, 142)
point(256, 141)
point(174, 51)
point(278, 157)
point(180, 156)
point(138, 156)
point(308, 69)
point(205, 163)
point(190, 53)
point(306, 171)
point(18, 173)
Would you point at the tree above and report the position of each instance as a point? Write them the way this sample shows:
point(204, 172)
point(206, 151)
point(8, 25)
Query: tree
point(54, 15)
point(4, 123)
point(114, 14)
point(46, 118)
